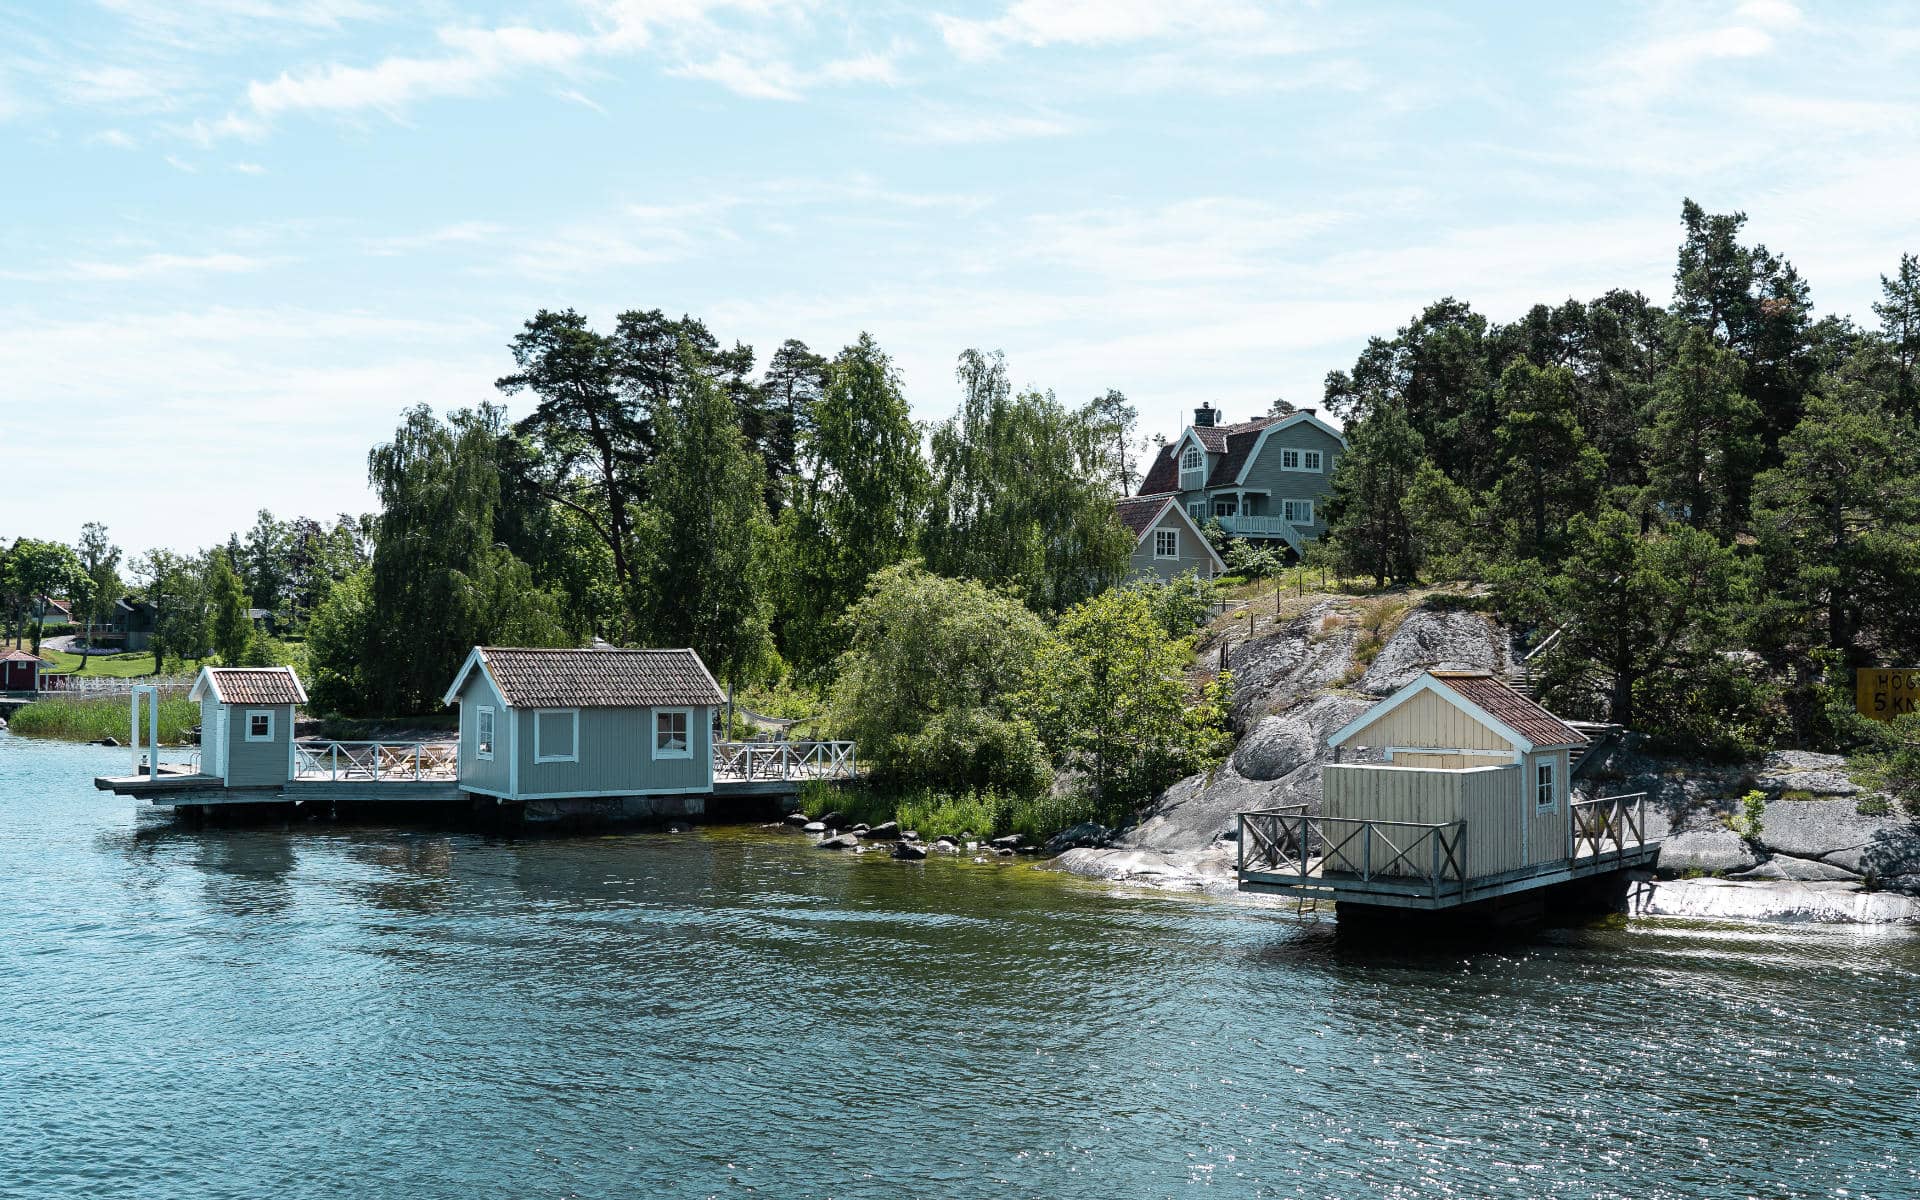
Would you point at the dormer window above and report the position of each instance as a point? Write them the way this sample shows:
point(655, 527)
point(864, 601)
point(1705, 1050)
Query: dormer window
point(1190, 459)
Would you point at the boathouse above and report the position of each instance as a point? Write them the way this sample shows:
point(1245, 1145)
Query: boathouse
point(19, 671)
point(246, 724)
point(539, 724)
point(1454, 789)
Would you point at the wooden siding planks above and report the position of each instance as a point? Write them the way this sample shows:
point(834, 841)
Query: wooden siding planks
point(1427, 719)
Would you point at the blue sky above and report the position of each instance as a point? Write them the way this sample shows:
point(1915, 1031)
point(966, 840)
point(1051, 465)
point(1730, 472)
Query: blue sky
point(240, 235)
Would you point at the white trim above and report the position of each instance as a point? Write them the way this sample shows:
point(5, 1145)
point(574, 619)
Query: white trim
point(1553, 784)
point(460, 677)
point(690, 790)
point(1173, 535)
point(1512, 756)
point(572, 755)
point(1427, 683)
point(513, 745)
point(1313, 518)
point(653, 734)
point(246, 723)
point(489, 714)
point(1200, 539)
point(1299, 418)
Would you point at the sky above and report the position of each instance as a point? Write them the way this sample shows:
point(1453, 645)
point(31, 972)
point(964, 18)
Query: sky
point(238, 237)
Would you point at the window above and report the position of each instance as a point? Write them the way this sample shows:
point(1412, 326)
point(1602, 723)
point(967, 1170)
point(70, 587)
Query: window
point(1311, 459)
point(1301, 460)
point(1289, 460)
point(1543, 792)
point(259, 724)
point(1166, 543)
point(1225, 506)
point(1198, 511)
point(483, 734)
point(556, 735)
point(1190, 459)
point(671, 733)
point(1299, 512)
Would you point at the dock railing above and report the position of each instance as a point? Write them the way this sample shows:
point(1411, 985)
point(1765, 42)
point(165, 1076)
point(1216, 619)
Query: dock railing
point(1306, 850)
point(779, 761)
point(68, 683)
point(1607, 826)
point(379, 761)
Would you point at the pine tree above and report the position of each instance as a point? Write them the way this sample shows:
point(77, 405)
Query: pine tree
point(1548, 472)
point(1899, 313)
point(232, 628)
point(1703, 443)
point(1372, 526)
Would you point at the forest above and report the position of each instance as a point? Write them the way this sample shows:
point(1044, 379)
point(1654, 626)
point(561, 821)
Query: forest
point(1708, 505)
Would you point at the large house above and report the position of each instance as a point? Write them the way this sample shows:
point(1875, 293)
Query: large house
point(1166, 542)
point(1267, 478)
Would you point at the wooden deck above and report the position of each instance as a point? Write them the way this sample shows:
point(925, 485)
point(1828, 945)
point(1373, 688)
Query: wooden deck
point(1401, 864)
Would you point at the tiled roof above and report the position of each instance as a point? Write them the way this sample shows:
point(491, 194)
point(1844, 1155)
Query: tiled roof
point(1239, 444)
point(256, 685)
point(1138, 512)
point(1512, 709)
point(1162, 476)
point(17, 656)
point(600, 678)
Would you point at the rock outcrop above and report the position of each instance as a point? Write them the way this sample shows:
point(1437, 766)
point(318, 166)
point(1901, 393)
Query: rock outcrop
point(1427, 640)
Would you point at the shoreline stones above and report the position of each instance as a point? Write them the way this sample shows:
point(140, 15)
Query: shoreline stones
point(840, 841)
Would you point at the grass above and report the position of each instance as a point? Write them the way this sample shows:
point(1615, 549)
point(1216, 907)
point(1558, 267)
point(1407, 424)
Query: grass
point(89, 720)
point(121, 666)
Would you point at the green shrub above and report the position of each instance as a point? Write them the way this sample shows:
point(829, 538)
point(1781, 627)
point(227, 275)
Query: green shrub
point(88, 720)
point(971, 749)
point(1457, 602)
point(1874, 806)
point(1749, 821)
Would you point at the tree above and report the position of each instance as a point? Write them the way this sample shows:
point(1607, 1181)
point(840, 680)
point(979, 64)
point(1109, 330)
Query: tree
point(1018, 496)
point(33, 570)
point(1548, 472)
point(795, 381)
point(232, 627)
point(1703, 444)
point(100, 559)
point(593, 442)
point(1437, 372)
point(338, 638)
point(710, 532)
point(1109, 697)
point(860, 507)
point(175, 585)
point(1899, 313)
point(1368, 519)
point(1112, 420)
point(263, 562)
point(927, 681)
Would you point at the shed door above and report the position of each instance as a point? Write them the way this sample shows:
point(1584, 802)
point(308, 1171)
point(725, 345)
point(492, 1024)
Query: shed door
point(213, 744)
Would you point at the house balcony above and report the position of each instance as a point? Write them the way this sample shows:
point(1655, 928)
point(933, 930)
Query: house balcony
point(1244, 525)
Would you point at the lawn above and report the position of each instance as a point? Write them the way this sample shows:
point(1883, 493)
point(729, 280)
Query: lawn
point(125, 666)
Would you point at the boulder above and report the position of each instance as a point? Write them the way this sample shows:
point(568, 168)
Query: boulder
point(912, 851)
point(1210, 870)
point(1276, 748)
point(1428, 640)
point(814, 827)
point(797, 818)
point(1753, 900)
point(1799, 870)
point(1817, 828)
point(946, 846)
point(1086, 833)
point(1893, 851)
point(834, 819)
point(885, 831)
point(860, 828)
point(1805, 771)
point(108, 741)
point(1706, 850)
point(910, 835)
point(843, 841)
point(1297, 660)
point(1011, 841)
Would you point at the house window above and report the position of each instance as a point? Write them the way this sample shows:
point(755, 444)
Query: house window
point(556, 735)
point(259, 724)
point(483, 734)
point(1289, 460)
point(1543, 791)
point(1225, 506)
point(1299, 512)
point(1166, 543)
point(1190, 459)
point(672, 733)
point(1311, 459)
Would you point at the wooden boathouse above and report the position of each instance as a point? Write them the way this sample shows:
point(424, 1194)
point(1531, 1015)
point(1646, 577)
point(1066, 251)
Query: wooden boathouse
point(543, 735)
point(1450, 794)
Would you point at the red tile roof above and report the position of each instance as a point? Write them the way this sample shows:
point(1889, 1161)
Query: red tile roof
point(534, 678)
point(1138, 512)
point(1161, 477)
point(1228, 444)
point(256, 685)
point(1239, 443)
point(1510, 708)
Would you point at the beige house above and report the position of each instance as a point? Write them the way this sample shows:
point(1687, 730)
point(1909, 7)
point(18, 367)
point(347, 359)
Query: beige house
point(1166, 542)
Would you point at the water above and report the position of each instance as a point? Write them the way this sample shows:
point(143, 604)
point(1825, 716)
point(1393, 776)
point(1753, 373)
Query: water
point(389, 1012)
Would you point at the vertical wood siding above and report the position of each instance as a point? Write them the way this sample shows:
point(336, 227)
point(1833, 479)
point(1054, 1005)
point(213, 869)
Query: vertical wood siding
point(1265, 472)
point(1485, 797)
point(616, 757)
point(1428, 720)
point(256, 764)
point(495, 775)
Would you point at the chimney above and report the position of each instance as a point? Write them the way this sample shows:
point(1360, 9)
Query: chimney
point(1203, 416)
point(1308, 411)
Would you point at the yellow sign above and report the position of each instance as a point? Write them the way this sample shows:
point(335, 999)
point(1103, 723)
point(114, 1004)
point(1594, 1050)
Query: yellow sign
point(1885, 693)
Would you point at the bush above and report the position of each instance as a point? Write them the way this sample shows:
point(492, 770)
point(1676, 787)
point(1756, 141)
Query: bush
point(973, 749)
point(1719, 709)
point(981, 813)
point(84, 720)
point(1750, 820)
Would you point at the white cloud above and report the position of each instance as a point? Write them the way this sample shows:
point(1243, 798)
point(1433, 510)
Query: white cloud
point(574, 96)
point(1042, 23)
point(248, 168)
point(780, 80)
point(460, 233)
point(479, 56)
point(119, 139)
point(1665, 57)
point(943, 125)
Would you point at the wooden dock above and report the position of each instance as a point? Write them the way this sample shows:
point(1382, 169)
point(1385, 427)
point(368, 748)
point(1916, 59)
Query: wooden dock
point(1413, 865)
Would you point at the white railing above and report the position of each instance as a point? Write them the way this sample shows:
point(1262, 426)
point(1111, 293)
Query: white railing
point(380, 761)
point(174, 760)
point(67, 683)
point(775, 761)
point(1265, 525)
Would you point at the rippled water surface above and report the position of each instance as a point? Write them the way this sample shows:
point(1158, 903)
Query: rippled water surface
point(394, 1012)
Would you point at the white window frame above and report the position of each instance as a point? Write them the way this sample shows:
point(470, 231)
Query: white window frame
point(1546, 778)
point(1291, 510)
point(1191, 460)
point(653, 732)
point(486, 731)
point(1173, 541)
point(1232, 503)
point(539, 752)
point(247, 717)
point(1292, 452)
point(1312, 460)
point(1197, 509)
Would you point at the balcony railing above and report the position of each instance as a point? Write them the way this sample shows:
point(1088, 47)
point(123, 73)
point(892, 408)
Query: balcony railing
point(737, 762)
point(1302, 849)
point(1608, 826)
point(378, 761)
point(1244, 525)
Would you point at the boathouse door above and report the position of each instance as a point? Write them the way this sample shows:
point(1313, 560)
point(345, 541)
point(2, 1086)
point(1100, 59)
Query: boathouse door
point(213, 742)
